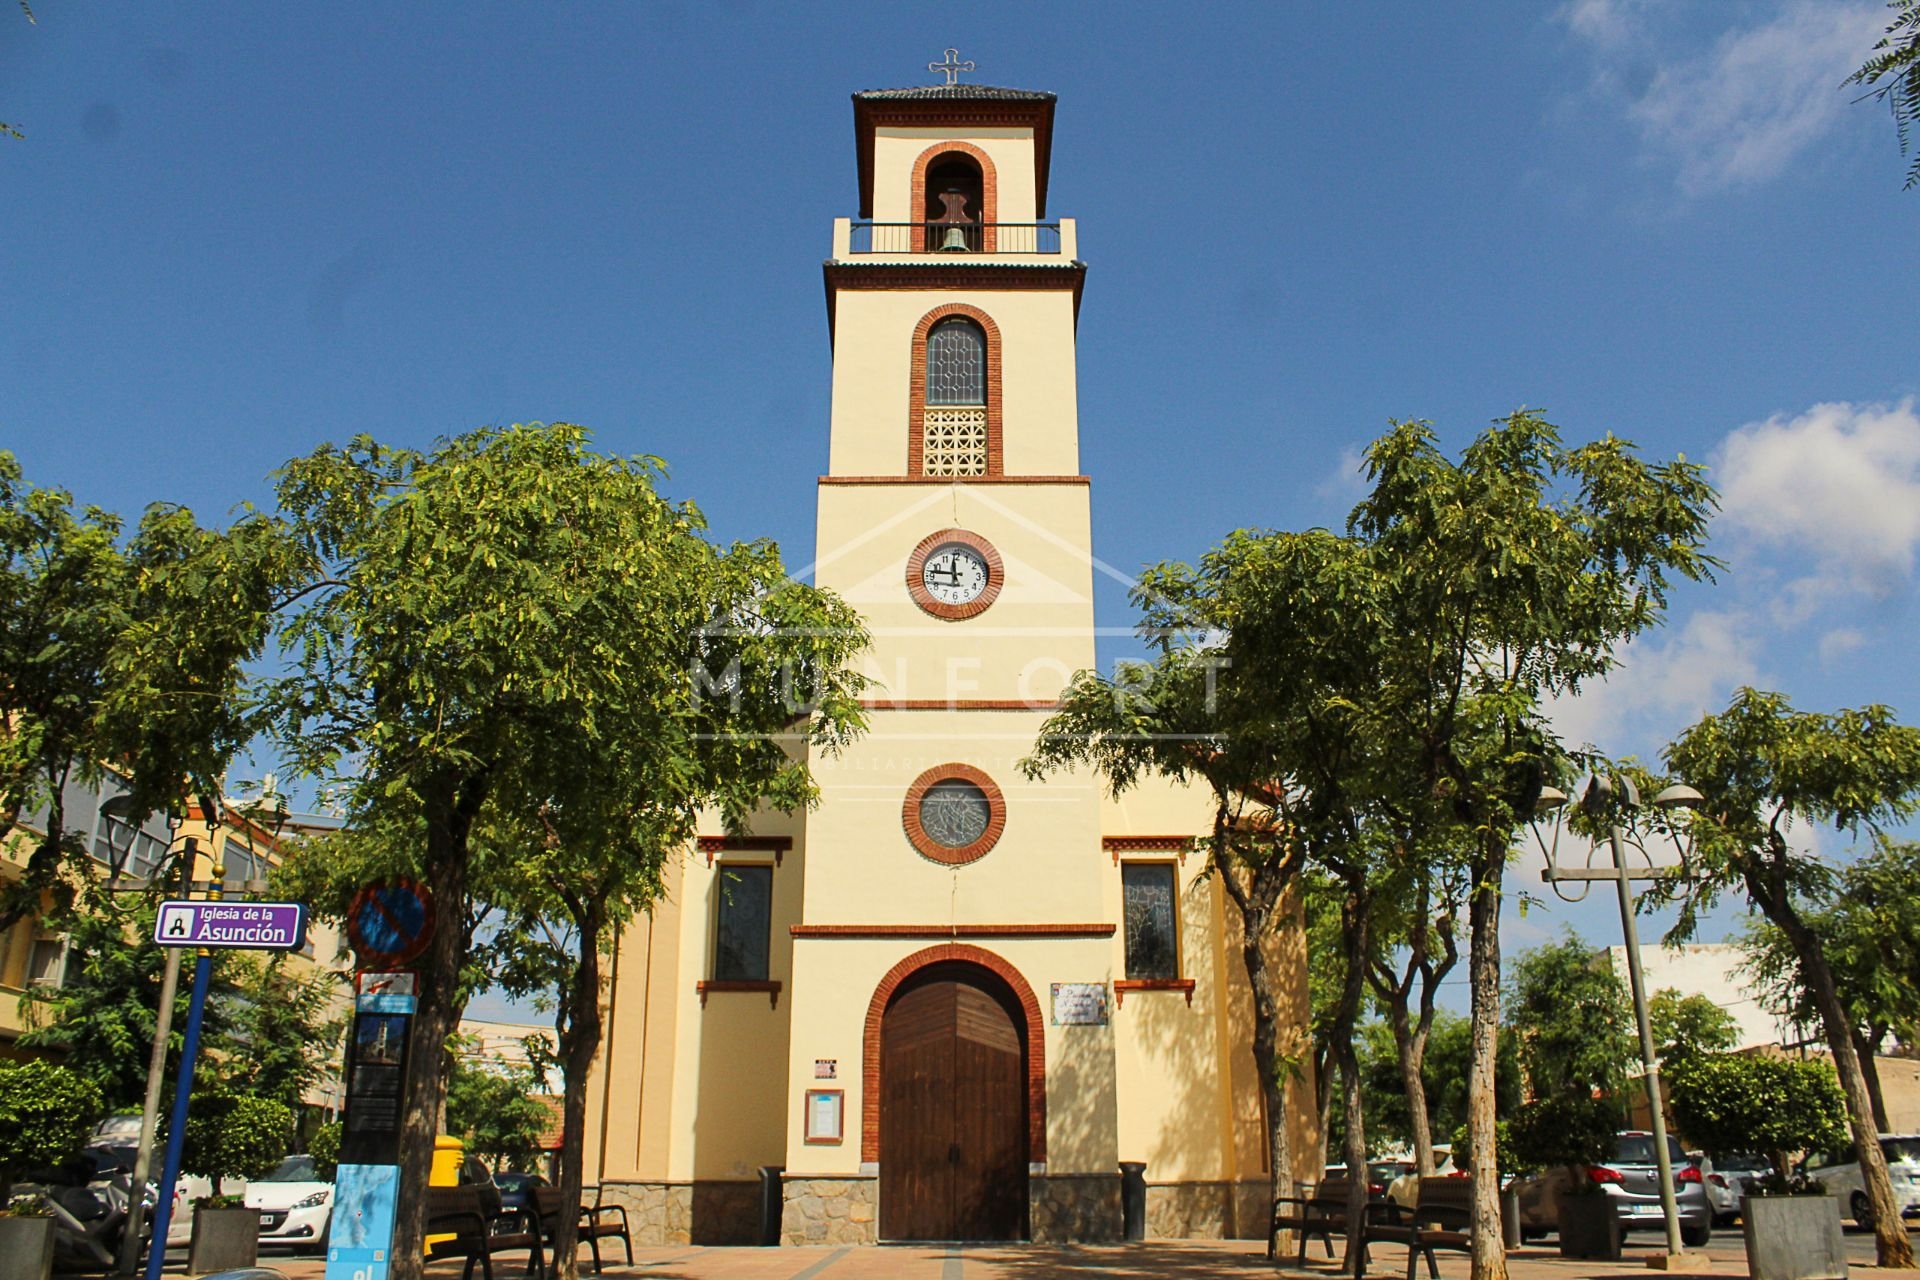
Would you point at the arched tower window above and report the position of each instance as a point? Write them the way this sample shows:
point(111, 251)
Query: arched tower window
point(954, 422)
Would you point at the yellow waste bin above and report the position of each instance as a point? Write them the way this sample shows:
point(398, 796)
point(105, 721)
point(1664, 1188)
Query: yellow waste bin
point(448, 1152)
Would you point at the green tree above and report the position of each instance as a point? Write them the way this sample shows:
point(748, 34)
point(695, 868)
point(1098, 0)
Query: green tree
point(101, 1019)
point(284, 1031)
point(1762, 766)
point(1685, 1025)
point(235, 1135)
point(1897, 62)
point(1573, 1019)
point(1870, 935)
point(112, 653)
point(324, 1147)
point(1389, 685)
point(1778, 1107)
point(1508, 578)
point(494, 1108)
point(46, 1112)
point(493, 611)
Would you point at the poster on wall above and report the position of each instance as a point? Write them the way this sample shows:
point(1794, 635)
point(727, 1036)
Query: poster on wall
point(1079, 1004)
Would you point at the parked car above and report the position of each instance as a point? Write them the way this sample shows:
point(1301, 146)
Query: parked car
point(1404, 1188)
point(1840, 1170)
point(1631, 1179)
point(295, 1204)
point(1380, 1173)
point(516, 1192)
point(1726, 1181)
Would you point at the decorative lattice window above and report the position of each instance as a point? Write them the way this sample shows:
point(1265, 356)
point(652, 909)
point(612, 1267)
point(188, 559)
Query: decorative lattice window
point(956, 363)
point(955, 442)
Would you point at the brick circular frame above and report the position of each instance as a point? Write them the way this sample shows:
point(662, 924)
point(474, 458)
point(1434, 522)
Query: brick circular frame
point(1036, 1043)
point(933, 849)
point(917, 566)
point(917, 388)
point(989, 191)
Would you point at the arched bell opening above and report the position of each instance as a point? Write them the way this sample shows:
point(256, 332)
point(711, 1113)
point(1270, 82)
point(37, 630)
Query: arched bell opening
point(954, 204)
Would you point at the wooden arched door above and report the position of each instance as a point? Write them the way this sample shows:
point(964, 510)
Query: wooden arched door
point(953, 1108)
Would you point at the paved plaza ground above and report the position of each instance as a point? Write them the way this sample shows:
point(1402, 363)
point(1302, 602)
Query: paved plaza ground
point(1153, 1260)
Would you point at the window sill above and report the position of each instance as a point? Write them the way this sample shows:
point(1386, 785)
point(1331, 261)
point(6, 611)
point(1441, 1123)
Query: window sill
point(1123, 985)
point(711, 985)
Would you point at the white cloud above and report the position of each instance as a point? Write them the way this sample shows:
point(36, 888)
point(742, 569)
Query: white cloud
point(1346, 484)
point(1840, 642)
point(1840, 482)
point(1736, 113)
point(1662, 683)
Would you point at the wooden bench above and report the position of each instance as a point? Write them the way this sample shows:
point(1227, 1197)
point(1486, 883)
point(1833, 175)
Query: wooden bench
point(1442, 1218)
point(1320, 1214)
point(546, 1207)
point(464, 1217)
point(597, 1224)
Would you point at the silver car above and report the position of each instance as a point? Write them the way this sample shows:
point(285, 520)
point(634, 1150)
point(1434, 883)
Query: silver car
point(1631, 1179)
point(1727, 1176)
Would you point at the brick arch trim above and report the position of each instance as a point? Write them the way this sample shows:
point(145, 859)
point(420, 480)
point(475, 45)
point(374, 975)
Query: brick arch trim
point(1036, 1043)
point(989, 191)
point(917, 386)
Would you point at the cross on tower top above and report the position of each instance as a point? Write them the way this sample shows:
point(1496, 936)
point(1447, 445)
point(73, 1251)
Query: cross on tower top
point(952, 67)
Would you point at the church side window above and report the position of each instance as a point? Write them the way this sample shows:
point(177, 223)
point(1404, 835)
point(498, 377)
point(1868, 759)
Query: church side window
point(1152, 933)
point(745, 920)
point(955, 417)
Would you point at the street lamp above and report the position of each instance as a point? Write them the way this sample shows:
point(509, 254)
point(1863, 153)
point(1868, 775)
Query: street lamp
point(1616, 802)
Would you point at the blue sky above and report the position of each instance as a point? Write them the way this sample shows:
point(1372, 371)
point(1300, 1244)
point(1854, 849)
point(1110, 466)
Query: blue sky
point(234, 231)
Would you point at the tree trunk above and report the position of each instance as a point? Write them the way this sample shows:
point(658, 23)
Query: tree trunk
point(1273, 1074)
point(436, 1018)
point(1488, 1249)
point(1356, 1149)
point(579, 1045)
point(1864, 1048)
point(1891, 1245)
point(1322, 1077)
point(1411, 1048)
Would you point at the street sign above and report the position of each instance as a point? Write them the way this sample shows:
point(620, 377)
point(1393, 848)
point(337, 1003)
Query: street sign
point(253, 926)
point(390, 922)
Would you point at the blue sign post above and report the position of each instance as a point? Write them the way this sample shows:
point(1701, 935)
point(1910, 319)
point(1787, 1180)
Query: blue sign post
point(254, 926)
point(366, 1184)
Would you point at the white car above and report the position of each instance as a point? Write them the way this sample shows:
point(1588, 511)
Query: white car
point(1726, 1179)
point(1405, 1189)
point(294, 1204)
point(1840, 1170)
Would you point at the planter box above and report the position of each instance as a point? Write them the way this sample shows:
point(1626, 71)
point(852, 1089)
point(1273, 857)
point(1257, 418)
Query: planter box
point(26, 1248)
point(224, 1240)
point(1588, 1228)
point(1793, 1238)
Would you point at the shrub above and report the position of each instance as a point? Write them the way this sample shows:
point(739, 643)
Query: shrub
point(46, 1112)
point(1757, 1102)
point(236, 1135)
point(324, 1147)
point(1565, 1129)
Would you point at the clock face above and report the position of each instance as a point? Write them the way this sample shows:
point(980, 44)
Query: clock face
point(955, 574)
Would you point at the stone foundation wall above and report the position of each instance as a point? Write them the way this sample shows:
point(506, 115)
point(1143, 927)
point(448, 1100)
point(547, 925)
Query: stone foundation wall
point(1252, 1208)
point(830, 1211)
point(689, 1212)
point(1080, 1208)
point(1190, 1210)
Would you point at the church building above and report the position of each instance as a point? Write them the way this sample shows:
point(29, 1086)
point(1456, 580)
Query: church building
point(948, 1003)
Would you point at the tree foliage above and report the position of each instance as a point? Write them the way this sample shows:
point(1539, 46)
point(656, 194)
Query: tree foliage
point(1763, 768)
point(1895, 69)
point(1575, 1024)
point(46, 1111)
point(235, 1135)
point(493, 1108)
point(133, 653)
point(514, 633)
point(1557, 1129)
point(1777, 1107)
point(1689, 1024)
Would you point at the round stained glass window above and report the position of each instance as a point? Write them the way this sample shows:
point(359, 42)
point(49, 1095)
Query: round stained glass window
point(954, 813)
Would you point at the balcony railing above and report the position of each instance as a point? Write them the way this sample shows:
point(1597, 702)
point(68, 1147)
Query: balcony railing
point(955, 237)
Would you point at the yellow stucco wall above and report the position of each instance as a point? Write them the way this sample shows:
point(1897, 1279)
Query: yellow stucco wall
point(873, 349)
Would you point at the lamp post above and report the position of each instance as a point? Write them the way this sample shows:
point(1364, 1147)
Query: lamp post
point(1614, 801)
